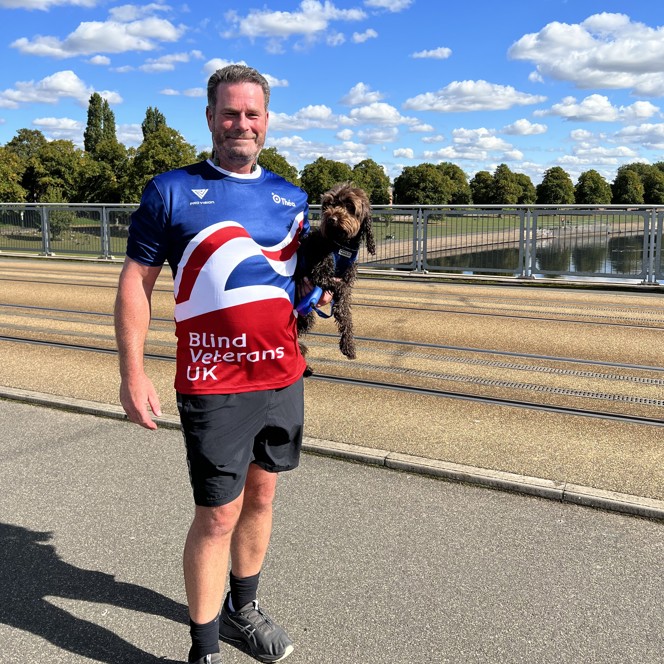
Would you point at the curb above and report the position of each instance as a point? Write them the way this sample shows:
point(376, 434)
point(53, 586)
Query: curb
point(564, 492)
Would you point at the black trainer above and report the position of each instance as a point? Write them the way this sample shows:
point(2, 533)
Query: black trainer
point(251, 625)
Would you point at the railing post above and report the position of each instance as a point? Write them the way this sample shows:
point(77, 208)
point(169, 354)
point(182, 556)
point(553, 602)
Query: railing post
point(419, 241)
point(105, 235)
point(46, 231)
point(651, 238)
point(524, 240)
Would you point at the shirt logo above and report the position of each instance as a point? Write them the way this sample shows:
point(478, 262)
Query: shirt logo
point(200, 194)
point(281, 200)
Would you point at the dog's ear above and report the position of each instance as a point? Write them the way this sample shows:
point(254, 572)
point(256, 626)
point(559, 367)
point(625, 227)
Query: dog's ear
point(366, 225)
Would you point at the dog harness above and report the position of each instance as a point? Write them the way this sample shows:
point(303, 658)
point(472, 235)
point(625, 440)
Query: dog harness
point(344, 257)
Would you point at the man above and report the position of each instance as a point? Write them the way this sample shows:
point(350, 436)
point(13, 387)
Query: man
point(229, 231)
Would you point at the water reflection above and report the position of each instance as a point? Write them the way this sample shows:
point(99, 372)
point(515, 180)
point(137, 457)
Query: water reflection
point(620, 255)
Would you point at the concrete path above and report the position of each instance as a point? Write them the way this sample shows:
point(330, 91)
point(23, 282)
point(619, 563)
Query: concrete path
point(367, 565)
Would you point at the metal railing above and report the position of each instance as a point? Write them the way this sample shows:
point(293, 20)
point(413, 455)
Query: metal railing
point(585, 242)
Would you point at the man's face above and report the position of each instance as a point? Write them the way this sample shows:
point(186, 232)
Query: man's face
point(238, 125)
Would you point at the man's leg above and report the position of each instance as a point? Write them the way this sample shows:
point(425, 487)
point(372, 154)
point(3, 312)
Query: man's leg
point(206, 558)
point(205, 563)
point(242, 619)
point(251, 537)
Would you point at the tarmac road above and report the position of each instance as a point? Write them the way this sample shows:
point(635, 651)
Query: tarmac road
point(367, 565)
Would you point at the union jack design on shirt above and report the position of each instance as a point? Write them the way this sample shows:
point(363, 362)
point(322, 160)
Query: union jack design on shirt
point(233, 279)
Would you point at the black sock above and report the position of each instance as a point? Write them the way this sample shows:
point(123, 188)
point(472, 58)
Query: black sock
point(204, 639)
point(243, 590)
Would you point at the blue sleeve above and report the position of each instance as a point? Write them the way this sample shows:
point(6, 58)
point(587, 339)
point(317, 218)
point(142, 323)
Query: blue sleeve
point(147, 242)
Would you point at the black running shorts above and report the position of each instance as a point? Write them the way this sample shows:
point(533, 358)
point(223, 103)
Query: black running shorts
point(224, 433)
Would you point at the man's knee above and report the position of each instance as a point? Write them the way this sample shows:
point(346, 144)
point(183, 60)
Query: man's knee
point(260, 489)
point(217, 522)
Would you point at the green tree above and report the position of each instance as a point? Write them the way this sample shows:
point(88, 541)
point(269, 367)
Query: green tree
point(461, 194)
point(163, 150)
point(423, 184)
point(653, 186)
point(592, 189)
point(271, 159)
point(371, 177)
point(57, 171)
point(627, 187)
point(481, 188)
point(506, 188)
point(26, 146)
point(207, 154)
point(94, 131)
point(556, 188)
point(154, 119)
point(108, 123)
point(11, 171)
point(528, 194)
point(27, 143)
point(321, 175)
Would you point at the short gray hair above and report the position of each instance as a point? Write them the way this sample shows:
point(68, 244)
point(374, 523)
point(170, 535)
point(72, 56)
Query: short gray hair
point(236, 74)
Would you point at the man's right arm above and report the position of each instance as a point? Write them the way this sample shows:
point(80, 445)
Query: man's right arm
point(132, 320)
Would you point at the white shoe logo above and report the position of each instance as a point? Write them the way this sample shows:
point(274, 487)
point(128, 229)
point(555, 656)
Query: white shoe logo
point(200, 192)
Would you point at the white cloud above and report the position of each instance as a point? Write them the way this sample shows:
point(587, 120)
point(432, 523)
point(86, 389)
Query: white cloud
point(61, 85)
point(312, 19)
point(390, 5)
point(378, 135)
point(463, 96)
point(60, 128)
point(130, 134)
point(361, 37)
point(524, 127)
point(345, 134)
point(335, 39)
point(211, 66)
point(439, 138)
point(311, 117)
point(165, 63)
point(111, 36)
point(605, 51)
point(195, 92)
point(100, 60)
point(405, 153)
point(650, 136)
point(44, 5)
point(475, 145)
point(300, 152)
point(359, 94)
point(380, 113)
point(441, 53)
point(421, 128)
point(598, 108)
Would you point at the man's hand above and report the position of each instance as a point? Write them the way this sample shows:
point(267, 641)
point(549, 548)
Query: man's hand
point(305, 287)
point(136, 396)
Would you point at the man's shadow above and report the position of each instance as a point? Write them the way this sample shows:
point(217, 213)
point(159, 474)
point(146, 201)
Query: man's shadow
point(31, 571)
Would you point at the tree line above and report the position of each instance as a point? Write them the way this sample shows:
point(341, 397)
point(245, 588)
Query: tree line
point(35, 170)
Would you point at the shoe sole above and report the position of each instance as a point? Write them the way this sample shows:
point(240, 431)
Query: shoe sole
point(241, 640)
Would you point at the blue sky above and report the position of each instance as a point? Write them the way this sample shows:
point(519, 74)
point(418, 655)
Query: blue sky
point(536, 84)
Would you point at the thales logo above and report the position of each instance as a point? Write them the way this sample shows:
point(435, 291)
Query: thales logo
point(200, 193)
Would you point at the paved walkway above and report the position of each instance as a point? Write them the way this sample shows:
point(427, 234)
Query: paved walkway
point(367, 565)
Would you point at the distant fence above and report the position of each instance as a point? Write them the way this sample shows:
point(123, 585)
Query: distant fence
point(612, 242)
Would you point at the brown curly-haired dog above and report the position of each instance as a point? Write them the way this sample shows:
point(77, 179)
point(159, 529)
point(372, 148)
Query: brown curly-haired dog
point(329, 254)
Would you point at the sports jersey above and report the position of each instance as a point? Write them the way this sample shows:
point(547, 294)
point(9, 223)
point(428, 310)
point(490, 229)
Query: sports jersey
point(231, 242)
